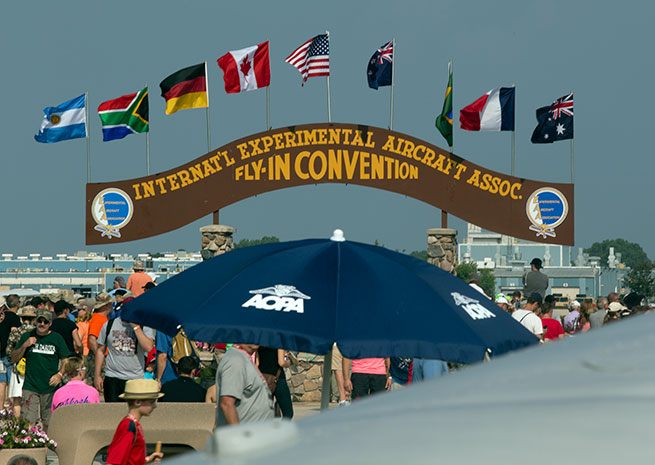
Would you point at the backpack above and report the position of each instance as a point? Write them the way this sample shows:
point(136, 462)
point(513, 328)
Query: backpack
point(183, 347)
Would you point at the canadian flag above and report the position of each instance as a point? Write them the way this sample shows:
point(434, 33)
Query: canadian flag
point(246, 69)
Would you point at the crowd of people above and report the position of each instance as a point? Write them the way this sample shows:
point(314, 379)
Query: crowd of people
point(539, 313)
point(59, 351)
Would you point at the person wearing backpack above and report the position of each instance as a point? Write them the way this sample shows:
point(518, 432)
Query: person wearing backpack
point(170, 350)
point(27, 316)
point(127, 345)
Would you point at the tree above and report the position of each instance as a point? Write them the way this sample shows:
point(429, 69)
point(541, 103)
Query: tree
point(487, 279)
point(640, 279)
point(420, 254)
point(250, 242)
point(631, 253)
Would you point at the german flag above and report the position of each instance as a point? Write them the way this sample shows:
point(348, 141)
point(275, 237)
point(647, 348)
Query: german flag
point(186, 88)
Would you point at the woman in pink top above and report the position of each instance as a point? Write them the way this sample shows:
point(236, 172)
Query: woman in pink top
point(76, 391)
point(368, 376)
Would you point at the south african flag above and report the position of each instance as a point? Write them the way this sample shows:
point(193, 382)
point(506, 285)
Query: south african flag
point(124, 116)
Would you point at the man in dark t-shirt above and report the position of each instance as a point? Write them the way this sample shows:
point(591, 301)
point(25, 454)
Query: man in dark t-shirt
point(43, 350)
point(184, 389)
point(66, 328)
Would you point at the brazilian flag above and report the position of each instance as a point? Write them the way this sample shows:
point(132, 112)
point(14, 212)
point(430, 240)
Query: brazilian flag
point(444, 122)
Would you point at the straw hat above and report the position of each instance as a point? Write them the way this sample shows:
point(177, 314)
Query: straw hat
point(141, 389)
point(27, 311)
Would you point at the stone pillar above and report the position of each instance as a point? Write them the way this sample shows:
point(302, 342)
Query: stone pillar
point(216, 240)
point(442, 248)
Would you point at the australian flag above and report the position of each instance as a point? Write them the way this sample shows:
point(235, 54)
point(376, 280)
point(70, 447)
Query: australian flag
point(555, 122)
point(379, 67)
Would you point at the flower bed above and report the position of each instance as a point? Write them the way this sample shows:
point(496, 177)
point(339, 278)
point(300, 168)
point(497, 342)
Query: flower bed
point(18, 434)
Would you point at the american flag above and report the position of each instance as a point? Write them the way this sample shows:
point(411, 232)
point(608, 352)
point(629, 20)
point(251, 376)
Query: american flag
point(562, 105)
point(386, 53)
point(312, 58)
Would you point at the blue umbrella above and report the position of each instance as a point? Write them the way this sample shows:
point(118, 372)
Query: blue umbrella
point(304, 295)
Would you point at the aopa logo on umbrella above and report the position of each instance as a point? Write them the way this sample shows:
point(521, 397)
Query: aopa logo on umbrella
point(281, 298)
point(472, 307)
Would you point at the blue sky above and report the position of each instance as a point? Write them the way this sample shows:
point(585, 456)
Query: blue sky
point(55, 51)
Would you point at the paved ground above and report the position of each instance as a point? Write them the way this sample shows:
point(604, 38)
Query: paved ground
point(301, 410)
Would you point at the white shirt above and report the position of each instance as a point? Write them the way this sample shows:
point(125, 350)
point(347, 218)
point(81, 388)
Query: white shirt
point(529, 320)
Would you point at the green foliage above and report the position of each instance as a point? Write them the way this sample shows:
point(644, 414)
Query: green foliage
point(420, 254)
point(464, 270)
point(250, 242)
point(640, 279)
point(631, 253)
point(487, 279)
point(488, 282)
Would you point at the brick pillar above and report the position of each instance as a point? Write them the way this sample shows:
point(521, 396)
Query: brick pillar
point(216, 240)
point(442, 248)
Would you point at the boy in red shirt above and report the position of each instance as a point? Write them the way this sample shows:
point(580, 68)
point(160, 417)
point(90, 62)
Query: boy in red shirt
point(128, 446)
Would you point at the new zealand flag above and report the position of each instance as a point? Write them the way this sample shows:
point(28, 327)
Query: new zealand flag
point(379, 67)
point(555, 122)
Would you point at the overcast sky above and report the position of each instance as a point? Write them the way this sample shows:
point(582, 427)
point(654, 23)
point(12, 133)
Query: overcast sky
point(54, 51)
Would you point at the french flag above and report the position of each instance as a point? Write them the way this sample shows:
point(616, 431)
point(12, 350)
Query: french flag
point(494, 111)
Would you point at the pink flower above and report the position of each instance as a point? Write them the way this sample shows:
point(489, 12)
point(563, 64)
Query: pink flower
point(2, 441)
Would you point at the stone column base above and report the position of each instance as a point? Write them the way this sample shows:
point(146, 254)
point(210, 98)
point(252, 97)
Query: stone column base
point(216, 240)
point(442, 248)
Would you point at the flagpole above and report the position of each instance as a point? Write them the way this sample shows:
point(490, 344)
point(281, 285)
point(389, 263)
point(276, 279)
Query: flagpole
point(514, 136)
point(452, 88)
point(268, 107)
point(148, 143)
point(209, 137)
point(393, 78)
point(328, 87)
point(444, 213)
point(88, 140)
point(572, 171)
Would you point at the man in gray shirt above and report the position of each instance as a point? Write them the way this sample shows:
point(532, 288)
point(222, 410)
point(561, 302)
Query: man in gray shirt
point(535, 280)
point(597, 319)
point(127, 345)
point(241, 392)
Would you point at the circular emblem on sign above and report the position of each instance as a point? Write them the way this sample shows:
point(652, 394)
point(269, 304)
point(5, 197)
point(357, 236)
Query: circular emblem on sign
point(546, 209)
point(55, 119)
point(112, 209)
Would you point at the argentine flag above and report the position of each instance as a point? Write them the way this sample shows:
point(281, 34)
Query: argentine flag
point(63, 122)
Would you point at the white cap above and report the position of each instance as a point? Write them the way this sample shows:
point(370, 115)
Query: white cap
point(337, 236)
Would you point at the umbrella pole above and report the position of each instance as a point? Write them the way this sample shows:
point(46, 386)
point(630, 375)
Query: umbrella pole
point(327, 373)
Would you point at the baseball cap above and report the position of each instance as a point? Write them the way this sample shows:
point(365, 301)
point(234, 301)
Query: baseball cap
point(536, 297)
point(537, 263)
point(44, 313)
point(616, 307)
point(501, 299)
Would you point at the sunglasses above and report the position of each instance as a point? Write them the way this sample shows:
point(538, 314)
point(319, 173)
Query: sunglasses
point(42, 321)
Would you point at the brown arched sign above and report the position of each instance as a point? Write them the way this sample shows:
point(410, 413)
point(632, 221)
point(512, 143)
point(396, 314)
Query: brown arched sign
point(329, 153)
